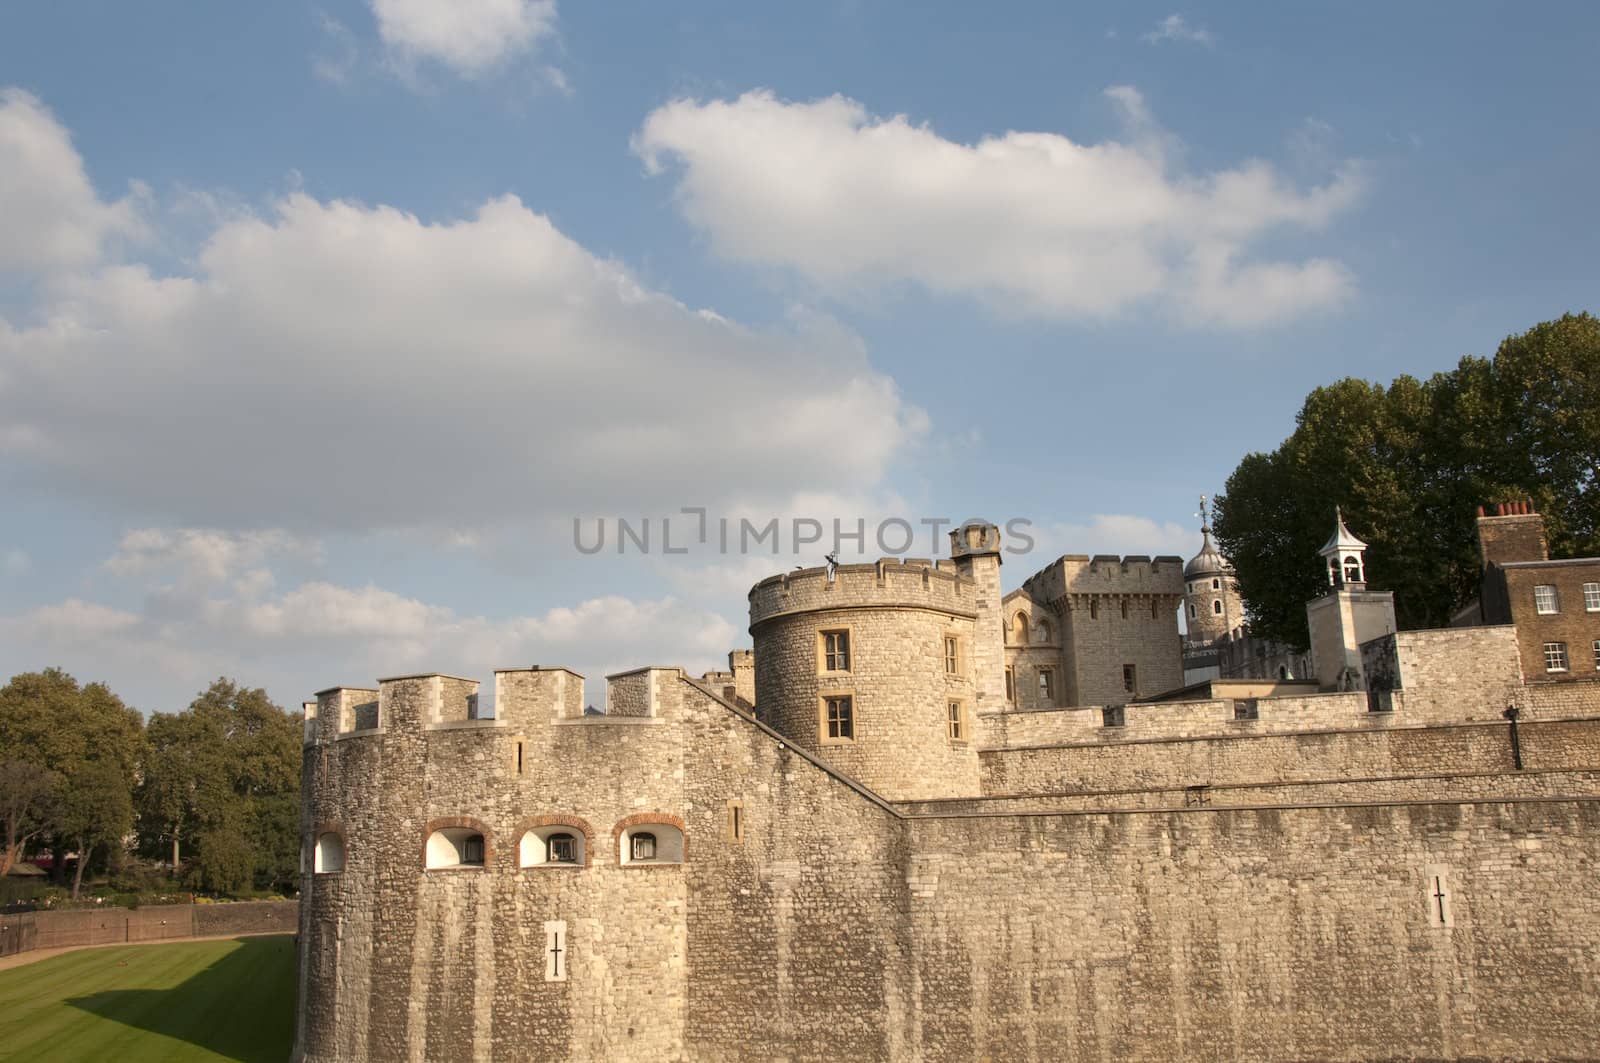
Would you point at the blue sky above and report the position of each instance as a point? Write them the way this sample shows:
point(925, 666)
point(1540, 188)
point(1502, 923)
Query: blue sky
point(319, 323)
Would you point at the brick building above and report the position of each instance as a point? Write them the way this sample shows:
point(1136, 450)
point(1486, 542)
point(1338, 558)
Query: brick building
point(891, 859)
point(1553, 604)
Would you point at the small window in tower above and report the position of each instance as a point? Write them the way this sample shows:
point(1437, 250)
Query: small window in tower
point(1216, 606)
point(1130, 678)
point(838, 719)
point(736, 821)
point(1591, 597)
point(1155, 605)
point(1011, 686)
point(955, 722)
point(1216, 584)
point(1555, 656)
point(1545, 599)
point(836, 651)
point(1352, 569)
point(1047, 686)
point(643, 845)
point(1044, 630)
point(1191, 611)
point(561, 849)
point(1124, 608)
point(1019, 629)
point(1597, 655)
point(952, 655)
point(1114, 716)
point(1094, 609)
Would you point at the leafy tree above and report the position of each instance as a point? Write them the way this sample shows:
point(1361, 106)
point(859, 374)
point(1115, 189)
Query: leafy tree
point(1409, 463)
point(97, 808)
point(88, 739)
point(29, 805)
point(225, 775)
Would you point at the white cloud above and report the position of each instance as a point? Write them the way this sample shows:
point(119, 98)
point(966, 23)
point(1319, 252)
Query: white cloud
point(204, 555)
point(75, 618)
point(319, 633)
point(50, 215)
point(1176, 28)
point(471, 37)
point(336, 365)
point(1031, 223)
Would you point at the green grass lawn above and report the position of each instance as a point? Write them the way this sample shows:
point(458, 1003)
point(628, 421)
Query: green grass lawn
point(198, 1000)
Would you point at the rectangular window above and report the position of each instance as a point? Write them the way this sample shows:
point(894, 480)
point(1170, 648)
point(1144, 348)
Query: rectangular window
point(1545, 599)
point(958, 731)
point(1114, 716)
point(1591, 597)
point(952, 655)
point(838, 720)
point(519, 758)
point(472, 849)
point(1047, 686)
point(1597, 655)
point(736, 821)
point(563, 849)
point(643, 846)
point(1011, 687)
point(836, 651)
point(1555, 656)
point(1130, 678)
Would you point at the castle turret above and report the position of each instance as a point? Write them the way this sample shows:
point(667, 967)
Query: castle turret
point(1212, 606)
point(975, 548)
point(877, 668)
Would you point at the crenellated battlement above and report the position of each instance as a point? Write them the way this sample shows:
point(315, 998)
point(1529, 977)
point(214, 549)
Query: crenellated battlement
point(524, 700)
point(915, 583)
point(1107, 574)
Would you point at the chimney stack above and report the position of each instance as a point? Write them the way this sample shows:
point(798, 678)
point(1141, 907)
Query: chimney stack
point(1514, 533)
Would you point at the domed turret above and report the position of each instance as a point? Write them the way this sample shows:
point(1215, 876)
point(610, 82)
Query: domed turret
point(1212, 607)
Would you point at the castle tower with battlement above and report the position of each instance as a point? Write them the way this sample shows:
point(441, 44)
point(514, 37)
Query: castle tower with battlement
point(877, 668)
point(1118, 622)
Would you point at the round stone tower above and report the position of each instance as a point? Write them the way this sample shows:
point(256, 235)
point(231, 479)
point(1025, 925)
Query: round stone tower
point(879, 669)
point(1211, 603)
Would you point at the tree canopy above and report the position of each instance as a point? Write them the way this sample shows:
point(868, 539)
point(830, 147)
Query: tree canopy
point(77, 751)
point(1409, 463)
point(218, 783)
point(223, 778)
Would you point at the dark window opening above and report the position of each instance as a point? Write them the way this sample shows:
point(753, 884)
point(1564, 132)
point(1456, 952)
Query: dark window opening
point(841, 719)
point(561, 849)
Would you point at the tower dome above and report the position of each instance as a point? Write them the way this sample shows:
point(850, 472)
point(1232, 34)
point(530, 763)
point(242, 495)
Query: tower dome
point(1212, 606)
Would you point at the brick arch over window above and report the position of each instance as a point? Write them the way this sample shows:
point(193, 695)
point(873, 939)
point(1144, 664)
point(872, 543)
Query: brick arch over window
point(468, 822)
point(644, 819)
point(579, 825)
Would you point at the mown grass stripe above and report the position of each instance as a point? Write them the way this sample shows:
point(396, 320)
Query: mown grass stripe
point(194, 1001)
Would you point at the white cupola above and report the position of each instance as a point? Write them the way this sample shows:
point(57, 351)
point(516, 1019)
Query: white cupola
point(1345, 556)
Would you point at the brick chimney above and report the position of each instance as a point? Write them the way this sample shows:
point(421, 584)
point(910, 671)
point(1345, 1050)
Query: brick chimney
point(1514, 532)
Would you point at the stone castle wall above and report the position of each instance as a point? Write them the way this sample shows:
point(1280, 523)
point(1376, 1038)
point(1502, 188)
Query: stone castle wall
point(1296, 933)
point(1377, 752)
point(834, 925)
